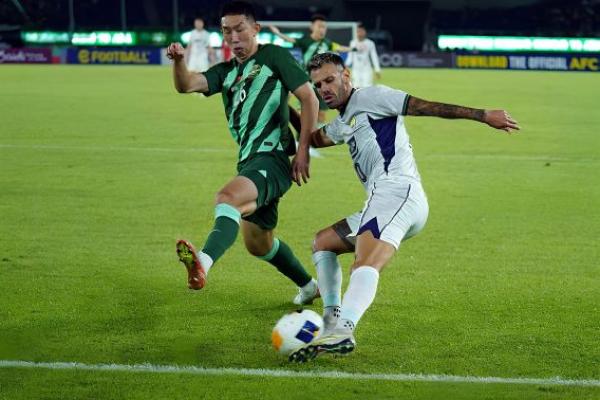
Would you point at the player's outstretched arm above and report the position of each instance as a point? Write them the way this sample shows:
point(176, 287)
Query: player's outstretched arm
point(278, 33)
point(317, 137)
point(184, 80)
point(499, 119)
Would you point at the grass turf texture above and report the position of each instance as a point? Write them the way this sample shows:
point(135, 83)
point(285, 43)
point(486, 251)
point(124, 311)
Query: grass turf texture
point(103, 168)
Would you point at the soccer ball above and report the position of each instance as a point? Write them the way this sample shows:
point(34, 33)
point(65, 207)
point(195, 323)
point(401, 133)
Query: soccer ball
point(296, 329)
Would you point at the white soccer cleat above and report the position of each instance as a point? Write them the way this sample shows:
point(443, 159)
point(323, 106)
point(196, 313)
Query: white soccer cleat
point(338, 341)
point(307, 294)
point(314, 153)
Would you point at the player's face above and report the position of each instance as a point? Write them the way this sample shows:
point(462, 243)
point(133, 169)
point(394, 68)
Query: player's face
point(319, 29)
point(361, 33)
point(199, 24)
point(333, 85)
point(240, 34)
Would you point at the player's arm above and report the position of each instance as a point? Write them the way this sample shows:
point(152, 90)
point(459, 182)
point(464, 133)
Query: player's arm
point(317, 137)
point(375, 60)
point(340, 48)
point(499, 119)
point(184, 80)
point(278, 33)
point(309, 106)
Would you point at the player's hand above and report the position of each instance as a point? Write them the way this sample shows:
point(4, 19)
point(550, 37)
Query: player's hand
point(500, 119)
point(300, 166)
point(274, 29)
point(378, 75)
point(175, 52)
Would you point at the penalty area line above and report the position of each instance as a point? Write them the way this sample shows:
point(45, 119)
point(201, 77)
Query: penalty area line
point(282, 373)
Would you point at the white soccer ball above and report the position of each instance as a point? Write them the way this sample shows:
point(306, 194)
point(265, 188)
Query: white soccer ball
point(295, 330)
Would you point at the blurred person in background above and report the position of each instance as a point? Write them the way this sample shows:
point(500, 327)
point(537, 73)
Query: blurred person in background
point(198, 53)
point(363, 59)
point(310, 45)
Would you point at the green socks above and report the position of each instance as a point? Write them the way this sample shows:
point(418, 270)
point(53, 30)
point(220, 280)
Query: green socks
point(283, 258)
point(224, 232)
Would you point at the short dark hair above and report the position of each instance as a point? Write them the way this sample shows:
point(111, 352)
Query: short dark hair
point(239, 8)
point(361, 25)
point(317, 17)
point(325, 58)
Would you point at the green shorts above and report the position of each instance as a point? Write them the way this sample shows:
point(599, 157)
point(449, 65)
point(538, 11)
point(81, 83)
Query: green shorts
point(270, 172)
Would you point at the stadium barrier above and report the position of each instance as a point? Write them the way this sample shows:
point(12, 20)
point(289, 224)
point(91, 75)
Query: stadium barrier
point(114, 55)
point(555, 61)
point(528, 61)
point(415, 60)
point(26, 55)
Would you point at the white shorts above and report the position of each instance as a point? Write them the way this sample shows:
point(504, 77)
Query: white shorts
point(362, 78)
point(394, 211)
point(198, 64)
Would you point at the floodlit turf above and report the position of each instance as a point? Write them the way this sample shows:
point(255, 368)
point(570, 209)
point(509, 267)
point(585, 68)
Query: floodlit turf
point(103, 168)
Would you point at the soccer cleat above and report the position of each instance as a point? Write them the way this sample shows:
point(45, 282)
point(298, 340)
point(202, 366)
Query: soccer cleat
point(337, 342)
point(188, 256)
point(314, 153)
point(305, 297)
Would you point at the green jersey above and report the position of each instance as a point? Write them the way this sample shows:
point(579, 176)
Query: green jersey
point(311, 47)
point(255, 97)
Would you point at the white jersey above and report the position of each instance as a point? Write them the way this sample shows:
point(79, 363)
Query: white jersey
point(372, 125)
point(199, 43)
point(364, 58)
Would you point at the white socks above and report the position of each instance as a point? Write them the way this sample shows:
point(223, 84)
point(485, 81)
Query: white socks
point(359, 296)
point(329, 277)
point(205, 260)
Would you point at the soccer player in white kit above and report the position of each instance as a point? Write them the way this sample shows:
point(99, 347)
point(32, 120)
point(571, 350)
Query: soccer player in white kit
point(371, 123)
point(363, 59)
point(198, 52)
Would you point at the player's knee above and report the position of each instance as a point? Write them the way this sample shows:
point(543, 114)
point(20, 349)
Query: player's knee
point(321, 242)
point(225, 196)
point(258, 248)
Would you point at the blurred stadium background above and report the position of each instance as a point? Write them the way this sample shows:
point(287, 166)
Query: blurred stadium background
point(407, 33)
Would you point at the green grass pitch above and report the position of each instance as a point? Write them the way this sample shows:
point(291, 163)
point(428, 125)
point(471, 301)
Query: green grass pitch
point(103, 168)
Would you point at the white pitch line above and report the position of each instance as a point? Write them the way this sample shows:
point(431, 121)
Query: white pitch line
point(120, 148)
point(232, 150)
point(282, 373)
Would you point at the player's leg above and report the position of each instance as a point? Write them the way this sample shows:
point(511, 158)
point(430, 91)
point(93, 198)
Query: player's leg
point(263, 244)
point(236, 198)
point(271, 176)
point(392, 213)
point(368, 78)
point(395, 213)
point(328, 244)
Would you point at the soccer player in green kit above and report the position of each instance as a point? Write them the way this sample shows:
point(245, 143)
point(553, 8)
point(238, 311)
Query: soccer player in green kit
point(254, 86)
point(315, 43)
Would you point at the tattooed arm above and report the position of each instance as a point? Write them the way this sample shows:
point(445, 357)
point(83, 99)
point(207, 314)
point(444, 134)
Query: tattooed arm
point(498, 119)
